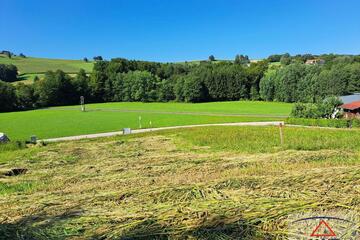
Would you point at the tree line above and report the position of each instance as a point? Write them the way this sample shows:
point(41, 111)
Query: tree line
point(129, 80)
point(306, 83)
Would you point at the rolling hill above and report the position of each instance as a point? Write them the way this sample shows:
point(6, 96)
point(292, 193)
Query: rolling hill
point(30, 66)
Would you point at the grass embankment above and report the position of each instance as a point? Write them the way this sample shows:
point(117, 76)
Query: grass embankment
point(333, 123)
point(106, 117)
point(29, 67)
point(204, 183)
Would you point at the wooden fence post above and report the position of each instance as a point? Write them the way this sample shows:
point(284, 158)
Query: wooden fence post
point(281, 133)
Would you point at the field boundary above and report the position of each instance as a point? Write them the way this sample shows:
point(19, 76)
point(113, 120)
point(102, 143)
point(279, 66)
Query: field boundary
point(110, 134)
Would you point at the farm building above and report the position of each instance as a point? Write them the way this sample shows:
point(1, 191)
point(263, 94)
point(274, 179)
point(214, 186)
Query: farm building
point(315, 61)
point(351, 110)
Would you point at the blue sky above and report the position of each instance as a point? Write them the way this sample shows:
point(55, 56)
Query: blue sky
point(178, 30)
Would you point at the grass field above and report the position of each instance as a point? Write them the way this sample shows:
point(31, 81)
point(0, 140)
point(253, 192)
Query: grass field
point(106, 117)
point(29, 67)
point(203, 183)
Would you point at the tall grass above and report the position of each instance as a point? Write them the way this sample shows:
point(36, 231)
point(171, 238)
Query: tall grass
point(267, 139)
point(11, 146)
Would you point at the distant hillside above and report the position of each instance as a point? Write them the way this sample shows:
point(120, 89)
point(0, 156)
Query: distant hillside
point(197, 62)
point(29, 67)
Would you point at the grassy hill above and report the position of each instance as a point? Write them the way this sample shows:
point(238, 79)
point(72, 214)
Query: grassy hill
point(29, 67)
point(203, 183)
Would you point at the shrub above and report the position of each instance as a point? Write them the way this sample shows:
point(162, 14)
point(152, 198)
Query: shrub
point(335, 123)
point(355, 123)
point(323, 109)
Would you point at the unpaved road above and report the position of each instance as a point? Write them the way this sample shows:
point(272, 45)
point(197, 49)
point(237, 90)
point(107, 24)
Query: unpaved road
point(109, 134)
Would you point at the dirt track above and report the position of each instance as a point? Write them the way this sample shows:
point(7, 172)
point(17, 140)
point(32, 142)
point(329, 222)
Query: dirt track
point(109, 134)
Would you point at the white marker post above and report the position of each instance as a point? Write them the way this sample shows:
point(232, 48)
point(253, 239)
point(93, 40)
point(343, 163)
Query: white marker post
point(140, 122)
point(82, 103)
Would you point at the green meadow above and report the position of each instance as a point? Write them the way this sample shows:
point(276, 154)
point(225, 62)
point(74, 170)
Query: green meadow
point(277, 109)
point(106, 117)
point(199, 183)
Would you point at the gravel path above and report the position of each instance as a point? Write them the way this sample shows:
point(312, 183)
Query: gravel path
point(109, 134)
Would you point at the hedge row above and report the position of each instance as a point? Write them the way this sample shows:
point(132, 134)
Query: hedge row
point(336, 123)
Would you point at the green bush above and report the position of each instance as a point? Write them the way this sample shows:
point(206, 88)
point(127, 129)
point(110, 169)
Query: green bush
point(335, 123)
point(322, 109)
point(355, 123)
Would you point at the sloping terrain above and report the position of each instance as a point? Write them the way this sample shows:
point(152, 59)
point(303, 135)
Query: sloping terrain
point(30, 67)
point(203, 183)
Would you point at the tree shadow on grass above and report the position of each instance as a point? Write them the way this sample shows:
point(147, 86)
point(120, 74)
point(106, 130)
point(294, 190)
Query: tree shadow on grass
point(216, 228)
point(40, 226)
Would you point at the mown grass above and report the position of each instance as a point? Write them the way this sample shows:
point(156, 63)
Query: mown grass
point(276, 109)
point(180, 184)
point(70, 121)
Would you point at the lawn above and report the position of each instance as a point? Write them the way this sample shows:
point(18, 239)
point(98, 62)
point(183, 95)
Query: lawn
point(276, 109)
point(106, 117)
point(202, 183)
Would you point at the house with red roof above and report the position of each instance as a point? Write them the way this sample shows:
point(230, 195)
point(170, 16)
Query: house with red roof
point(351, 110)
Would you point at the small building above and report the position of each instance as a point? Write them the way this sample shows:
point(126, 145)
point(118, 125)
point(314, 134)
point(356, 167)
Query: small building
point(351, 110)
point(316, 61)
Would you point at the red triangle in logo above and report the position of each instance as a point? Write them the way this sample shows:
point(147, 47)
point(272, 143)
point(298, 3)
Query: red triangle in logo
point(327, 231)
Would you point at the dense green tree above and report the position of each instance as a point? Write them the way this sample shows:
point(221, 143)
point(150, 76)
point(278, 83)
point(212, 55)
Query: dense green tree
point(354, 77)
point(211, 58)
point(8, 72)
point(194, 89)
point(267, 86)
point(179, 89)
point(241, 59)
point(286, 82)
point(274, 58)
point(285, 59)
point(97, 81)
point(98, 58)
point(308, 87)
point(7, 97)
point(26, 98)
point(81, 85)
point(166, 91)
point(55, 89)
point(140, 86)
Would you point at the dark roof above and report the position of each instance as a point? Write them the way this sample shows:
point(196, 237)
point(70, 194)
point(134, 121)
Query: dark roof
point(351, 106)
